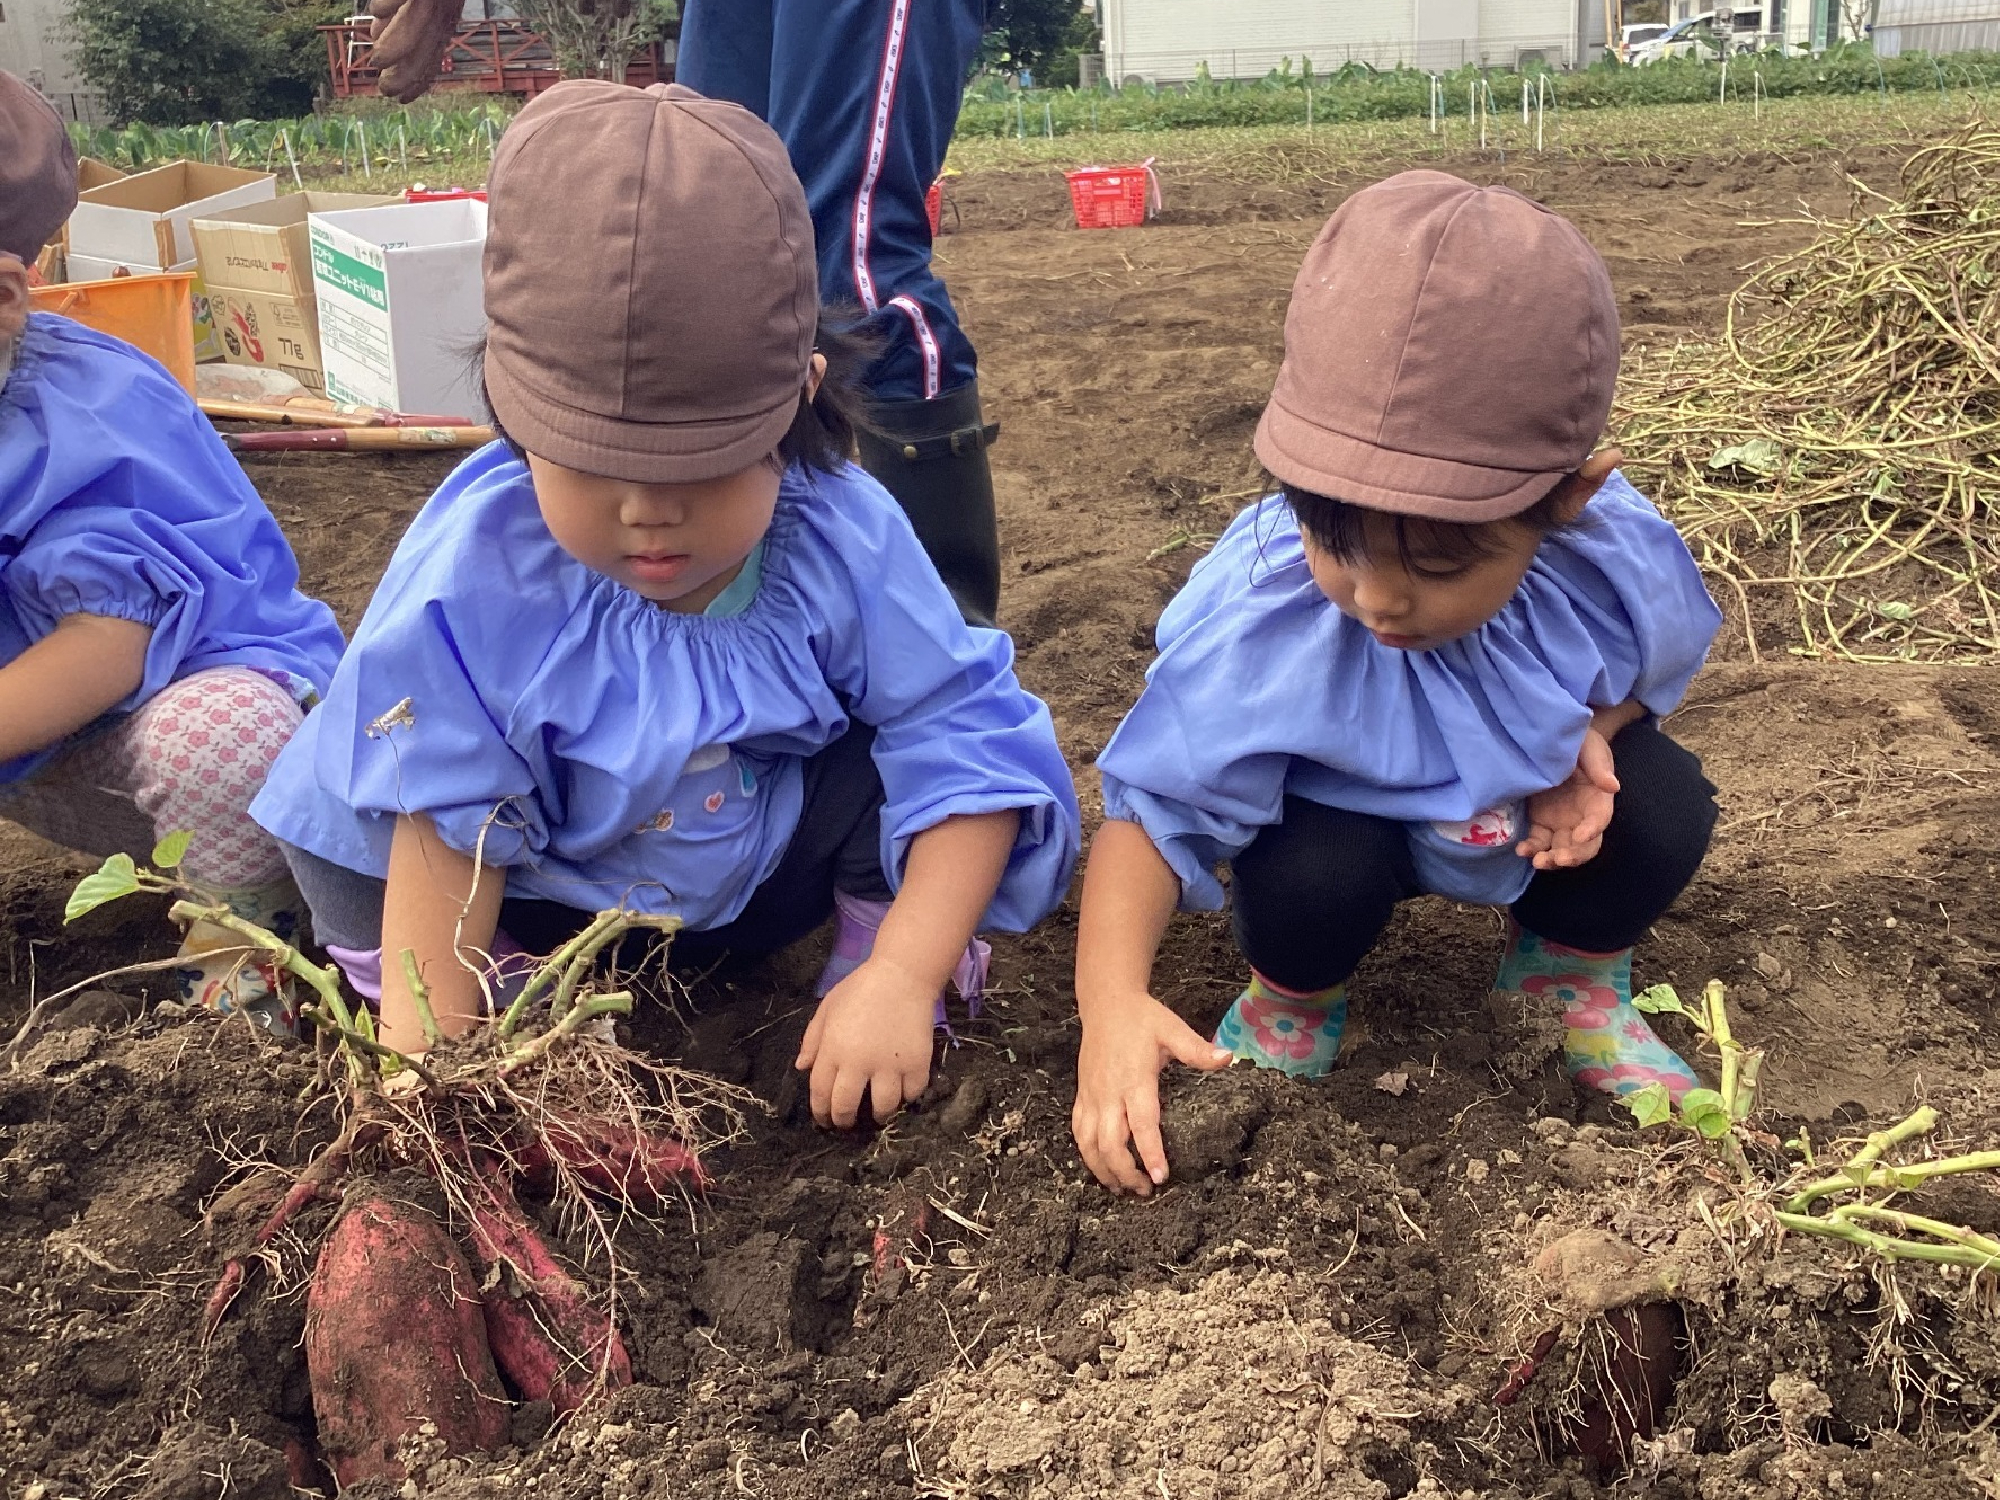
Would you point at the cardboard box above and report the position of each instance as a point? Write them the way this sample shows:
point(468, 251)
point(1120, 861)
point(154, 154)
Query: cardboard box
point(92, 173)
point(267, 247)
point(400, 304)
point(271, 332)
point(90, 268)
point(144, 220)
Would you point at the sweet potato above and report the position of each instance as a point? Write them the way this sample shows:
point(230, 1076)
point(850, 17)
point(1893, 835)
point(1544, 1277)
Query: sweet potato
point(395, 1338)
point(546, 1336)
point(622, 1162)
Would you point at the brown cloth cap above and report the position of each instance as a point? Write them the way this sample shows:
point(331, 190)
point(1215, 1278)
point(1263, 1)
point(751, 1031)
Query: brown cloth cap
point(1450, 352)
point(651, 290)
point(37, 170)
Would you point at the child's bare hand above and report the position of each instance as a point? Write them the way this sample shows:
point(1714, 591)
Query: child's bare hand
point(1567, 822)
point(870, 1039)
point(1118, 1089)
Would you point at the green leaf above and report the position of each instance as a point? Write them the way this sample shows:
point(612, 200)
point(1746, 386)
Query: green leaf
point(1650, 1106)
point(1896, 610)
point(171, 850)
point(1704, 1111)
point(1759, 456)
point(1660, 1000)
point(116, 877)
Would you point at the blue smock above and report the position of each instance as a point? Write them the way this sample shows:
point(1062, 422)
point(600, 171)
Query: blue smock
point(608, 751)
point(117, 498)
point(1263, 689)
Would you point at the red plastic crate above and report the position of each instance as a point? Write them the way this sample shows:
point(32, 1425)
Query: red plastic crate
point(441, 195)
point(1114, 197)
point(934, 206)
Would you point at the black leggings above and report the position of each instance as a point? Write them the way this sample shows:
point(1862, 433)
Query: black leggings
point(1313, 892)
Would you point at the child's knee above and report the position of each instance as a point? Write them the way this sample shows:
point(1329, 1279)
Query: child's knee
point(1321, 861)
point(1666, 810)
point(226, 723)
point(201, 750)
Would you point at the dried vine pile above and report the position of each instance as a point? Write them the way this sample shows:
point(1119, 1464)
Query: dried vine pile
point(1840, 442)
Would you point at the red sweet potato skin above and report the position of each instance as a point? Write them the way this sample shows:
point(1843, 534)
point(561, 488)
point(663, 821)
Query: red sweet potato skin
point(395, 1336)
point(623, 1162)
point(547, 1338)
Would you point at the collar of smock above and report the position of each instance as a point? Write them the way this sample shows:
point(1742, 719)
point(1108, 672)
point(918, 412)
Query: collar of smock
point(733, 600)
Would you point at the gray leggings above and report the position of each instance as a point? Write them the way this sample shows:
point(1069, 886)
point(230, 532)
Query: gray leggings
point(837, 846)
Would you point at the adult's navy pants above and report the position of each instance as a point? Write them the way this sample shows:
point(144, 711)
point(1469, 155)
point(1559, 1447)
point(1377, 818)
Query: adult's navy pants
point(865, 96)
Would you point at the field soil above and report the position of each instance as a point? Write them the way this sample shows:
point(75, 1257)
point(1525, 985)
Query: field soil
point(1332, 1292)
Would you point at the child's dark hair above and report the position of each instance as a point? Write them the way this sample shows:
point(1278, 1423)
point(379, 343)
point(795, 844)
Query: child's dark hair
point(821, 437)
point(1340, 529)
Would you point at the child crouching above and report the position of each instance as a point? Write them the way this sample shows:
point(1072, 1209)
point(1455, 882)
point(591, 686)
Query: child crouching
point(155, 651)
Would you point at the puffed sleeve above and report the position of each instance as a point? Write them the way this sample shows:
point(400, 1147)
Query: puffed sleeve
point(1627, 580)
point(955, 732)
point(417, 718)
point(1190, 764)
point(121, 501)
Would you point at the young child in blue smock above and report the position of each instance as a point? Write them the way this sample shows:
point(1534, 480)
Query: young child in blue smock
point(666, 647)
point(1431, 664)
point(155, 651)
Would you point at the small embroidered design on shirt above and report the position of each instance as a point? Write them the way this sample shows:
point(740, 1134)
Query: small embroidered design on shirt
point(660, 824)
point(714, 802)
point(1491, 829)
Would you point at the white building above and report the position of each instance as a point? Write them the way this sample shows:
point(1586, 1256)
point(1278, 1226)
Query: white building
point(32, 47)
point(1166, 41)
point(1936, 26)
point(1799, 25)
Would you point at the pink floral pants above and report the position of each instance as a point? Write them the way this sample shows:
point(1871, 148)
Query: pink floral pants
point(191, 757)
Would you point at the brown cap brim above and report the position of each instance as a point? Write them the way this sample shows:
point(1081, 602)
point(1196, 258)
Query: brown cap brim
point(1321, 461)
point(639, 452)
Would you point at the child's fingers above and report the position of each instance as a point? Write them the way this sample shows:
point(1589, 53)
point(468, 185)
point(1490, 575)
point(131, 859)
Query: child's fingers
point(809, 1048)
point(1189, 1047)
point(1142, 1117)
point(836, 1095)
point(1597, 763)
point(886, 1095)
point(1116, 1169)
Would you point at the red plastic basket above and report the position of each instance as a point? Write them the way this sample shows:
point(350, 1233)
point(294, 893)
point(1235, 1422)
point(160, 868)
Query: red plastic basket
point(934, 206)
point(442, 195)
point(1114, 197)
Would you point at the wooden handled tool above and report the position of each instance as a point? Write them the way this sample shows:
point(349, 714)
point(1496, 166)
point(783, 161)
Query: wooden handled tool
point(407, 438)
point(310, 411)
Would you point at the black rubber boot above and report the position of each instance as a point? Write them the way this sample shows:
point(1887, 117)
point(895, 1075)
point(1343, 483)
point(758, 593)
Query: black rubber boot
point(931, 455)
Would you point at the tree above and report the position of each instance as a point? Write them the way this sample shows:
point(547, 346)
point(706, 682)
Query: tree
point(177, 62)
point(596, 38)
point(1030, 34)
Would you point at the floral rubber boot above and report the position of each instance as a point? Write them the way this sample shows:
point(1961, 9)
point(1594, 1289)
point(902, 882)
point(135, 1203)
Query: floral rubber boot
point(857, 921)
point(1608, 1044)
point(214, 970)
point(1296, 1032)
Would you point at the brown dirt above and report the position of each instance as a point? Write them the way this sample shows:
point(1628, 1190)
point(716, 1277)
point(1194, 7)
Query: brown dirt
point(1328, 1297)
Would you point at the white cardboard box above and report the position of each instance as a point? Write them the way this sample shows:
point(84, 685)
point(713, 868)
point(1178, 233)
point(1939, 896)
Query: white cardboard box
point(400, 304)
point(90, 268)
point(143, 220)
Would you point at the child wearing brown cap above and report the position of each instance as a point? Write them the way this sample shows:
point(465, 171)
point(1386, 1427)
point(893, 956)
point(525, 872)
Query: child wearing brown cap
point(1431, 664)
point(666, 647)
point(155, 651)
